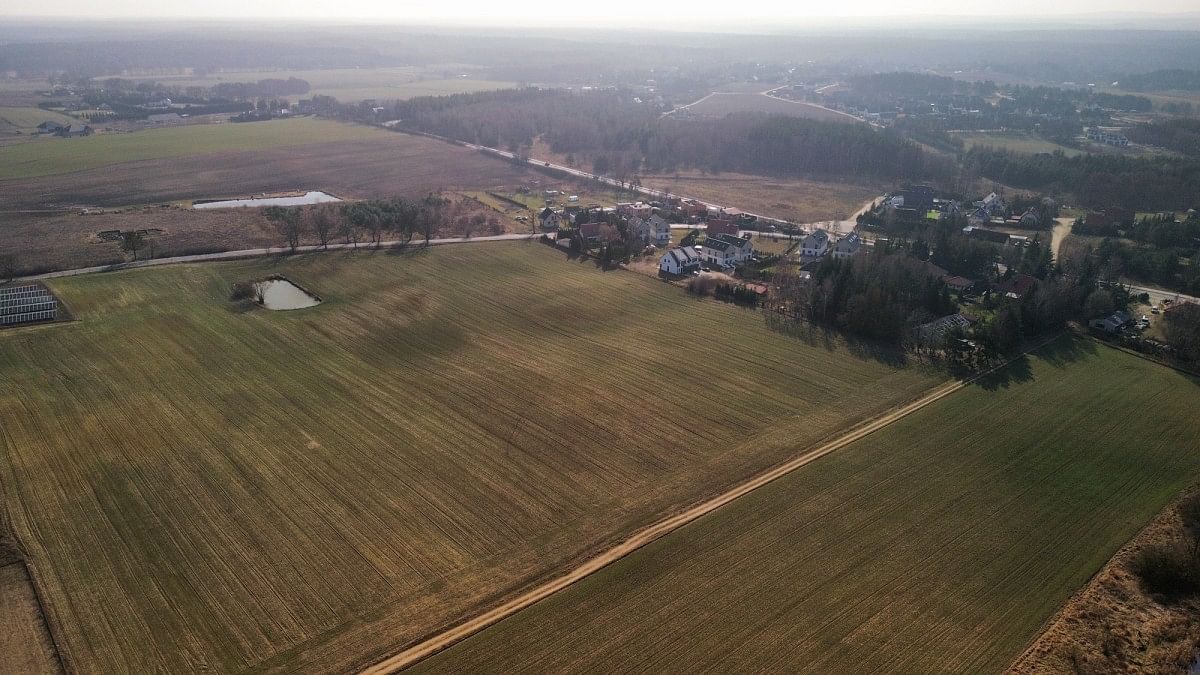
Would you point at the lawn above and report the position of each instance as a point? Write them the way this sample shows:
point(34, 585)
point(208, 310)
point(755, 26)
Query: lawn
point(1017, 141)
point(203, 487)
point(51, 156)
point(940, 544)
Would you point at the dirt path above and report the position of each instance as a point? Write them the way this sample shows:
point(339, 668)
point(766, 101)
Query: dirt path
point(1062, 227)
point(279, 250)
point(448, 637)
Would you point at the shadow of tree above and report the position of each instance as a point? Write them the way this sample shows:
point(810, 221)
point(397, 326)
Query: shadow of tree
point(830, 339)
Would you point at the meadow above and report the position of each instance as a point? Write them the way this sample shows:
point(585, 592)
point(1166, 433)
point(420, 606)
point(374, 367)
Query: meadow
point(202, 486)
point(16, 119)
point(941, 543)
point(1017, 141)
point(50, 156)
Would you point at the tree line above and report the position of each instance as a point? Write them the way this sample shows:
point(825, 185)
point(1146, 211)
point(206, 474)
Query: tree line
point(1096, 180)
point(622, 136)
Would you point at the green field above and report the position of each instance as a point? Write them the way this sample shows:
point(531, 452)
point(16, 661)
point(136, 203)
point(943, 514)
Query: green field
point(26, 120)
point(356, 84)
point(50, 156)
point(939, 544)
point(1017, 141)
point(199, 486)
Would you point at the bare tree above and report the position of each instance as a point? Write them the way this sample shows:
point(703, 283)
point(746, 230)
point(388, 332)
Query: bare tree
point(132, 242)
point(289, 223)
point(8, 266)
point(322, 218)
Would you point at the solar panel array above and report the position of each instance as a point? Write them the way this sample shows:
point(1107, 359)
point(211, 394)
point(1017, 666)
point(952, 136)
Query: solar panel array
point(27, 304)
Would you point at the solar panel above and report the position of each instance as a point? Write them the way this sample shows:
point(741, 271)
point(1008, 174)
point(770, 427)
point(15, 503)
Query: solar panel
point(20, 289)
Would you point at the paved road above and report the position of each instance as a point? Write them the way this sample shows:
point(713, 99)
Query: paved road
point(262, 252)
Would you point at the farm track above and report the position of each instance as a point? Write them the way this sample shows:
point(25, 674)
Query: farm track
point(445, 639)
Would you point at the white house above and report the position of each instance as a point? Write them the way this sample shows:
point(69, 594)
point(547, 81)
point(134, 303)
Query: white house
point(680, 260)
point(815, 244)
point(847, 246)
point(660, 230)
point(551, 220)
point(726, 250)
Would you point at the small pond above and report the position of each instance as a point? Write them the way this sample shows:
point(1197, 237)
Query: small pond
point(280, 294)
point(312, 197)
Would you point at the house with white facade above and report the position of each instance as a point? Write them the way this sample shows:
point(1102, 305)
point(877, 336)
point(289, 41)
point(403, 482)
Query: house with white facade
point(815, 244)
point(680, 260)
point(660, 230)
point(726, 250)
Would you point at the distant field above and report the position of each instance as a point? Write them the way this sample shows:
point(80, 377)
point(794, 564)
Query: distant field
point(719, 105)
point(62, 155)
point(201, 487)
point(939, 544)
point(1017, 141)
point(794, 199)
point(26, 120)
point(356, 84)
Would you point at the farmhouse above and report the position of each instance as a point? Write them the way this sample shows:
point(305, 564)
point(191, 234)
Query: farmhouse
point(847, 246)
point(726, 250)
point(680, 260)
point(815, 245)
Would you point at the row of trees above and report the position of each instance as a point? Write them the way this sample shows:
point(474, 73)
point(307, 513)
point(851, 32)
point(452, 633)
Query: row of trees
point(354, 221)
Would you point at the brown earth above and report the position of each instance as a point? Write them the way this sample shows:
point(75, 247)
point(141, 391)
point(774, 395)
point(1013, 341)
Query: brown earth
point(395, 165)
point(1113, 625)
point(25, 645)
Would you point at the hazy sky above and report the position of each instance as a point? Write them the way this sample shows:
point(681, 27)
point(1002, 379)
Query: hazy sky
point(560, 11)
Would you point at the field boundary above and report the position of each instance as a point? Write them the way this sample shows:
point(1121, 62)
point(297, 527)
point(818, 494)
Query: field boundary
point(1137, 541)
point(640, 538)
point(243, 254)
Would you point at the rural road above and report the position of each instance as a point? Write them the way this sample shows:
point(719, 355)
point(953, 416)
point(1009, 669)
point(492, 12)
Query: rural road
point(770, 93)
point(448, 637)
point(261, 252)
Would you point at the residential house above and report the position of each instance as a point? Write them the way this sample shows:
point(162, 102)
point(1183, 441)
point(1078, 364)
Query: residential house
point(551, 220)
point(717, 226)
point(1107, 137)
point(958, 284)
point(639, 230)
point(1112, 323)
point(631, 209)
point(74, 131)
point(680, 260)
point(992, 204)
point(847, 246)
point(659, 230)
point(815, 244)
point(1017, 287)
point(693, 209)
point(726, 250)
